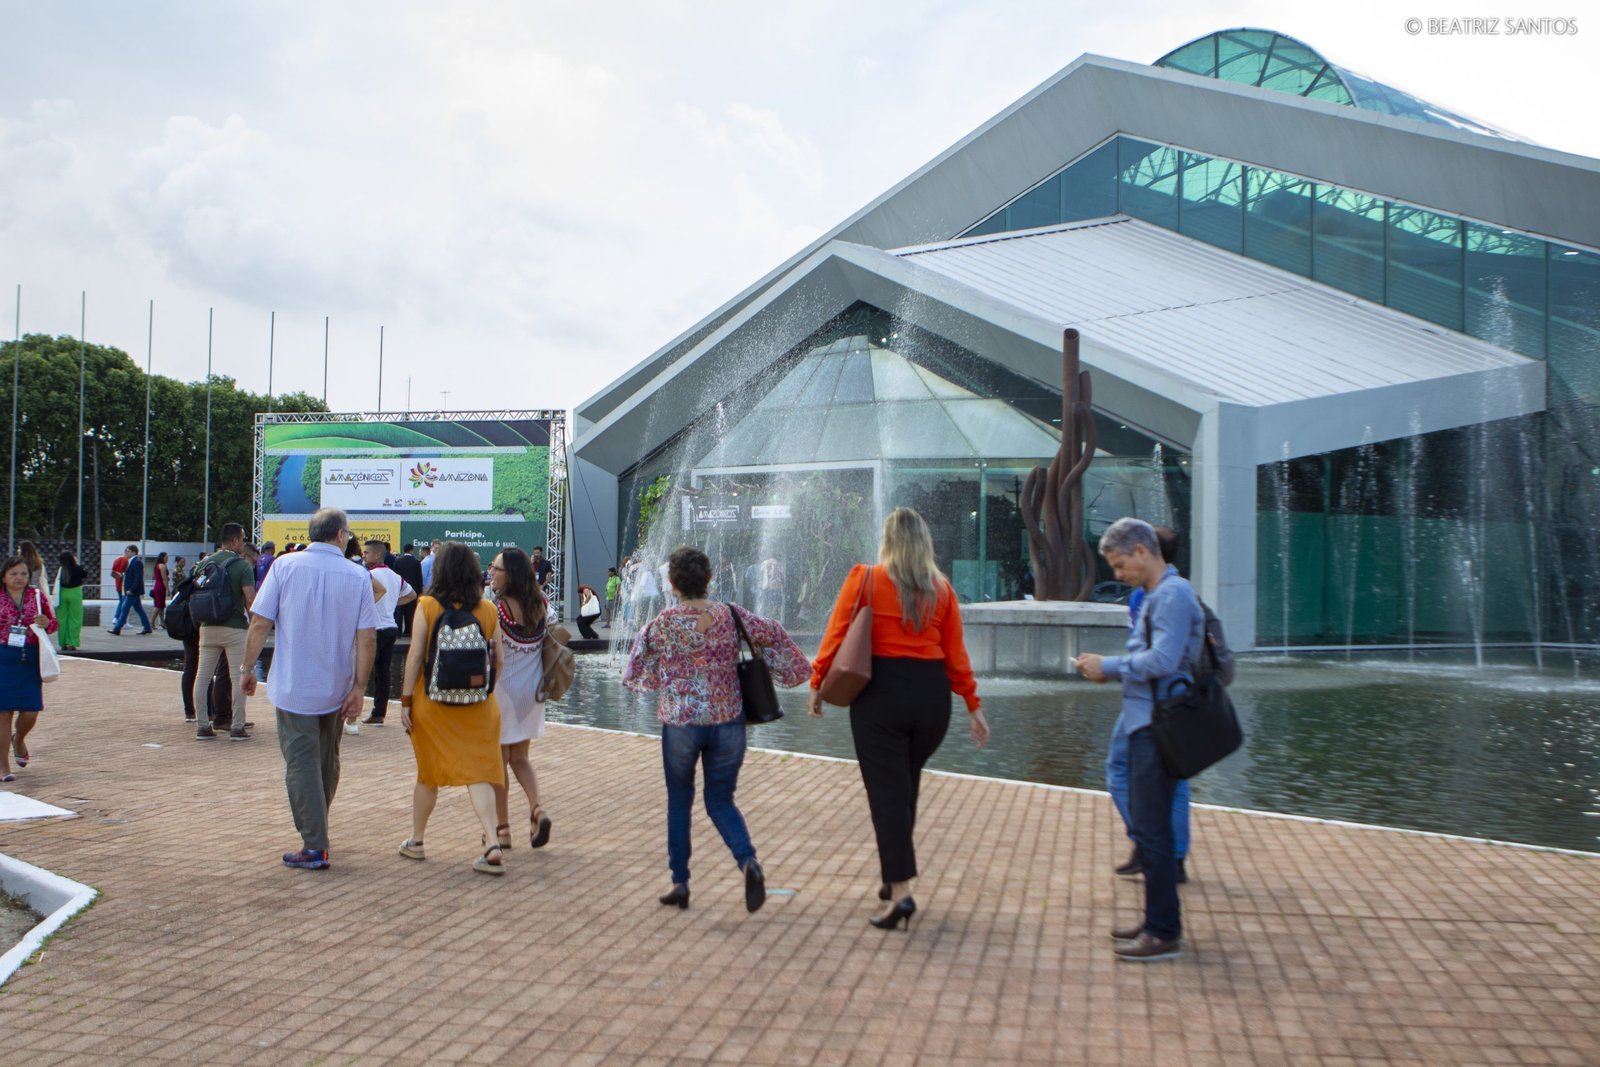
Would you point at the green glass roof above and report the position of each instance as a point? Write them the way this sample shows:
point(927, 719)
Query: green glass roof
point(1271, 60)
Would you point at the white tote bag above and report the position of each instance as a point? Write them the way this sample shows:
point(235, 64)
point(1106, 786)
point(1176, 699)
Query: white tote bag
point(49, 662)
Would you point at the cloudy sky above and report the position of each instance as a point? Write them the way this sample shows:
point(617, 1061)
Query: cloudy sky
point(529, 197)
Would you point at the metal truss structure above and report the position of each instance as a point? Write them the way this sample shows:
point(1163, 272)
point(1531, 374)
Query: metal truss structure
point(556, 503)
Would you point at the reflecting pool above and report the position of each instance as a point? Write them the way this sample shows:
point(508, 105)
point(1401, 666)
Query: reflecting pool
point(1509, 752)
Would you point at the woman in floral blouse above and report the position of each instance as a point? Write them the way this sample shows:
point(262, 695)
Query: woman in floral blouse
point(688, 653)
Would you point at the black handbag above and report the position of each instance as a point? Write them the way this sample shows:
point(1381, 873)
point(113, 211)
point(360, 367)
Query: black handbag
point(1197, 727)
point(759, 695)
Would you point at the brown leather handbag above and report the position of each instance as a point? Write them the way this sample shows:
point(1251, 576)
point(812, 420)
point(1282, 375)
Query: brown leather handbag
point(851, 669)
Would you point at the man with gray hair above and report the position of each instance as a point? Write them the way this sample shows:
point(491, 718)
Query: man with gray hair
point(1164, 648)
point(326, 617)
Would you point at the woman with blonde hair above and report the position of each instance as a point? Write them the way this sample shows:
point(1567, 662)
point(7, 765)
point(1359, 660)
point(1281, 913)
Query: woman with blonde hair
point(898, 721)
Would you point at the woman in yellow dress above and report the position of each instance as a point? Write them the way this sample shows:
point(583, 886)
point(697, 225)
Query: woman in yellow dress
point(455, 744)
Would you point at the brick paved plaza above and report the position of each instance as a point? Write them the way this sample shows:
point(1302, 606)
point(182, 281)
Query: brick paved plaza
point(1308, 944)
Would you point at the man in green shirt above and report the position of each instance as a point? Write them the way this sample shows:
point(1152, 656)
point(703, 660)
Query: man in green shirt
point(613, 594)
point(227, 637)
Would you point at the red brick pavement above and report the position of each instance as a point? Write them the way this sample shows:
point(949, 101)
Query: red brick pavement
point(1308, 944)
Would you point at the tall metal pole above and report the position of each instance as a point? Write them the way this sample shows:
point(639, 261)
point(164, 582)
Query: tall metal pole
point(205, 522)
point(272, 333)
point(149, 357)
point(324, 361)
point(83, 366)
point(16, 385)
point(380, 368)
point(408, 394)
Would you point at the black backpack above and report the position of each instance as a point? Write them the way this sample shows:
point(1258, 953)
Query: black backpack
point(458, 668)
point(177, 620)
point(1222, 655)
point(211, 596)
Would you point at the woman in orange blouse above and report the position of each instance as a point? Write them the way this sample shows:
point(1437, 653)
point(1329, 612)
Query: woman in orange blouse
point(900, 718)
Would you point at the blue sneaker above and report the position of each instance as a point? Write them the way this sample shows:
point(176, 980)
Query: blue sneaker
point(308, 859)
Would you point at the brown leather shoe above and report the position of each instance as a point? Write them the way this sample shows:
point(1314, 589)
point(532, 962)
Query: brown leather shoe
point(1147, 948)
point(1127, 933)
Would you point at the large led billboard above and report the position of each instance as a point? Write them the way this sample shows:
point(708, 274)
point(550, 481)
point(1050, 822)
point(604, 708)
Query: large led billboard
point(482, 478)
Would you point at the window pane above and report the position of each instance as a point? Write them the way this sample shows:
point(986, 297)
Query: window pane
point(1277, 219)
point(1089, 186)
point(1505, 289)
point(1039, 206)
point(1575, 323)
point(1147, 181)
point(1425, 265)
point(995, 223)
point(1211, 209)
point(1347, 242)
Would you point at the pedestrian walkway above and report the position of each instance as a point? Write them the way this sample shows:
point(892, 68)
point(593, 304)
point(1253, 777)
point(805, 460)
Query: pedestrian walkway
point(1308, 943)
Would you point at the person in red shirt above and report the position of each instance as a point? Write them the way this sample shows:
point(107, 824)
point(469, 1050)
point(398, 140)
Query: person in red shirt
point(116, 573)
point(899, 720)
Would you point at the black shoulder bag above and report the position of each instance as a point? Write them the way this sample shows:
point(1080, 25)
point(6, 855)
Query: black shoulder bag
point(1197, 727)
point(759, 695)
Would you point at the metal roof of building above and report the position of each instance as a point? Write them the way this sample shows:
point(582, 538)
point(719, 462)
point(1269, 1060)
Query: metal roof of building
point(1231, 327)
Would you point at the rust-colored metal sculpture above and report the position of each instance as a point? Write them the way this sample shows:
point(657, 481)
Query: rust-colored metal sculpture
point(1052, 500)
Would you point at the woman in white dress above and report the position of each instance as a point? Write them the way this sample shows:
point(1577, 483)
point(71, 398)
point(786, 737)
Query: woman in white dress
point(519, 689)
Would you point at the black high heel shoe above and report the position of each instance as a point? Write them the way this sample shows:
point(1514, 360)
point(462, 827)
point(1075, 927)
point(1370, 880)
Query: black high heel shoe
point(678, 896)
point(904, 908)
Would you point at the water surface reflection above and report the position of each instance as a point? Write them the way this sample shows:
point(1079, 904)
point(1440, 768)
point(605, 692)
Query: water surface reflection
point(1508, 752)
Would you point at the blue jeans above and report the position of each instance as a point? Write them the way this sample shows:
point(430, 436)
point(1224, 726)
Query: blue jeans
point(129, 601)
point(1117, 784)
point(1150, 793)
point(721, 748)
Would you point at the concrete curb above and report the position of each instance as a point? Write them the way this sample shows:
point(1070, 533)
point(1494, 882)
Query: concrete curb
point(56, 898)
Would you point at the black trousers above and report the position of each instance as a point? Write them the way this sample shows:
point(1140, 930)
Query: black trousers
point(898, 723)
point(586, 626)
point(382, 663)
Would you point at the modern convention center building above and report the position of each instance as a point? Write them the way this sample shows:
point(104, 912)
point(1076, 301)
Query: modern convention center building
point(1346, 340)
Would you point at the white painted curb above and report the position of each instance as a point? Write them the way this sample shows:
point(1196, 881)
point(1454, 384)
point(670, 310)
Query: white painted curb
point(56, 898)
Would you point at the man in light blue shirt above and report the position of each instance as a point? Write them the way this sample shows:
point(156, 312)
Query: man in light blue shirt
point(1117, 753)
point(326, 617)
point(1163, 648)
point(427, 568)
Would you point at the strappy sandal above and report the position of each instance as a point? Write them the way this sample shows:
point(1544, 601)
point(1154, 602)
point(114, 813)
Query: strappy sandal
point(502, 835)
point(483, 865)
point(20, 756)
point(411, 849)
point(541, 825)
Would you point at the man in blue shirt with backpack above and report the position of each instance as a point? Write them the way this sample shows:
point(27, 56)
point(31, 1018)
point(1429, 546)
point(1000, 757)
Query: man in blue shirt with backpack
point(1164, 651)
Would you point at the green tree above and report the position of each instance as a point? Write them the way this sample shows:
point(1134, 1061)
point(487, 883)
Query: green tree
point(113, 458)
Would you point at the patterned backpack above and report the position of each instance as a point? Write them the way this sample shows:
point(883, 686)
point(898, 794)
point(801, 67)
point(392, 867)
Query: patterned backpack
point(458, 669)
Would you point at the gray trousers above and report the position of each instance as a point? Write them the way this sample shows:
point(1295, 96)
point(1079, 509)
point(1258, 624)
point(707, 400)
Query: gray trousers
point(310, 746)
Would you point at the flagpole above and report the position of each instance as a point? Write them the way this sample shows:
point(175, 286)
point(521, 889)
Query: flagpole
point(380, 368)
point(149, 357)
point(272, 333)
point(324, 361)
point(205, 522)
point(83, 365)
point(16, 385)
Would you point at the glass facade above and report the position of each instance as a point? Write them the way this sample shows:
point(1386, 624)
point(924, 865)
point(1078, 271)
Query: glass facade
point(1269, 60)
point(871, 414)
point(1507, 288)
